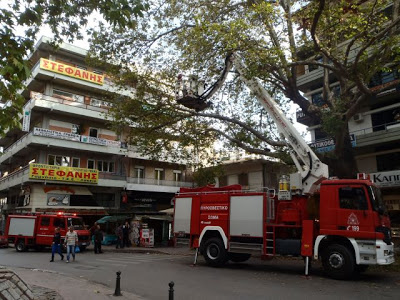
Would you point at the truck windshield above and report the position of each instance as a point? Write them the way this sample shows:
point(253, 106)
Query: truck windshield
point(76, 222)
point(376, 200)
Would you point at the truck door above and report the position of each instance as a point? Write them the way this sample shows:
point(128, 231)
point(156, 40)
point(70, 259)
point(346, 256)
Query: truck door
point(354, 213)
point(44, 235)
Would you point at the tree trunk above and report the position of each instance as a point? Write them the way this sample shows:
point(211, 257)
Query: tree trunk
point(343, 164)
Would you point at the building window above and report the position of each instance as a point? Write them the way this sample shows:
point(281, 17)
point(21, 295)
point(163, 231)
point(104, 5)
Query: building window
point(318, 100)
point(105, 199)
point(223, 180)
point(80, 67)
point(100, 103)
point(177, 176)
point(90, 164)
point(159, 175)
point(75, 97)
point(79, 98)
point(353, 198)
point(93, 132)
point(58, 160)
point(105, 166)
point(62, 93)
point(139, 172)
point(243, 179)
point(75, 162)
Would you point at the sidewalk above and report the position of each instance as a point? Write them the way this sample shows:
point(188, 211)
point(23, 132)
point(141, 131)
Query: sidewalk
point(184, 250)
point(48, 285)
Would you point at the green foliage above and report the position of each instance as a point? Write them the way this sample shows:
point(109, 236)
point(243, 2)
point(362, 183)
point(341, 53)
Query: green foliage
point(352, 42)
point(205, 176)
point(20, 23)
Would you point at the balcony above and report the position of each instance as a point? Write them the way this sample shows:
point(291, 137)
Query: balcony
point(44, 103)
point(149, 184)
point(381, 134)
point(21, 176)
point(53, 138)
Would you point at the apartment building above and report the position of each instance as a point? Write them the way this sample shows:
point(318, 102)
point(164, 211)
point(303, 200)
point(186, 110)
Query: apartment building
point(374, 131)
point(65, 158)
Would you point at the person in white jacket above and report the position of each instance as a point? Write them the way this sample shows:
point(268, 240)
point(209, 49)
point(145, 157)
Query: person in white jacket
point(71, 239)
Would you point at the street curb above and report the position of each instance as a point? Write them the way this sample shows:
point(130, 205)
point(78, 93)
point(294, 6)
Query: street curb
point(146, 251)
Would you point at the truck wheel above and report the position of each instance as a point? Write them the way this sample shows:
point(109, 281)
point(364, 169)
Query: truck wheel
point(20, 246)
point(214, 252)
point(338, 262)
point(238, 257)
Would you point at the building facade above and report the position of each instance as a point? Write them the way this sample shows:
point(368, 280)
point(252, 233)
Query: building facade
point(65, 158)
point(374, 131)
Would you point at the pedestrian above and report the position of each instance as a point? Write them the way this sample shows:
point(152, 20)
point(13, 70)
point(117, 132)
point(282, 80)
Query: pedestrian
point(118, 233)
point(93, 229)
point(56, 246)
point(125, 234)
point(98, 238)
point(71, 239)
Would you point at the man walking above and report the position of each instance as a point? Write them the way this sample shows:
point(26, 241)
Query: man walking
point(98, 238)
point(125, 234)
point(71, 239)
point(56, 246)
point(118, 233)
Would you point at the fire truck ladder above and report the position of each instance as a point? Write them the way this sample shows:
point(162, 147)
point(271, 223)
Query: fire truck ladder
point(270, 240)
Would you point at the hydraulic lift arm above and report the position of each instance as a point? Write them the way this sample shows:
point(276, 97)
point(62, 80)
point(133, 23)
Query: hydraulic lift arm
point(311, 170)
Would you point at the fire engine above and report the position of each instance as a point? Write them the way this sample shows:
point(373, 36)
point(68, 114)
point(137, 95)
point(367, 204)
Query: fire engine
point(37, 231)
point(341, 222)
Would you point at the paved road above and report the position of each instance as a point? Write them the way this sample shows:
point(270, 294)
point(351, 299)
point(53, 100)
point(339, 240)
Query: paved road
point(148, 275)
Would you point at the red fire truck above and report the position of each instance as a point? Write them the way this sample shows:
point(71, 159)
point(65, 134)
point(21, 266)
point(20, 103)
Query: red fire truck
point(348, 229)
point(36, 231)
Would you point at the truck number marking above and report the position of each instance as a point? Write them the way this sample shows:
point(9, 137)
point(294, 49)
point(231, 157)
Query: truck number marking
point(353, 228)
point(205, 223)
point(213, 217)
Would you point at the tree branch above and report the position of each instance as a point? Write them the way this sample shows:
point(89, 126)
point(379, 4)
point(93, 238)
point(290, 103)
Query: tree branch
point(244, 146)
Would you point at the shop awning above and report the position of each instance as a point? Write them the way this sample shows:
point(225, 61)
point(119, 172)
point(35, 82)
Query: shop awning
point(112, 219)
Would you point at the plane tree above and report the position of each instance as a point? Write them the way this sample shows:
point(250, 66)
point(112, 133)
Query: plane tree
point(278, 40)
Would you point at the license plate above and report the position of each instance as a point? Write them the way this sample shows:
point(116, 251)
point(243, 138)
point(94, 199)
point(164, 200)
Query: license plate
point(83, 244)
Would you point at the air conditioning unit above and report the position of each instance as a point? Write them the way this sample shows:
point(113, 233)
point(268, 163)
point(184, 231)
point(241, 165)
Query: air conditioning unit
point(358, 117)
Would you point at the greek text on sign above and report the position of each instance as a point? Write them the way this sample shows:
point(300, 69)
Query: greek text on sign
point(71, 71)
point(59, 173)
point(214, 207)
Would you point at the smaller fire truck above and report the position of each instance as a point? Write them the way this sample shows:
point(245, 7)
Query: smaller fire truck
point(37, 231)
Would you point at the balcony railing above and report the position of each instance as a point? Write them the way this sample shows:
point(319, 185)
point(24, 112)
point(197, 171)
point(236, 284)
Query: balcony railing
point(110, 176)
point(152, 181)
point(382, 127)
point(39, 96)
point(65, 136)
point(15, 174)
